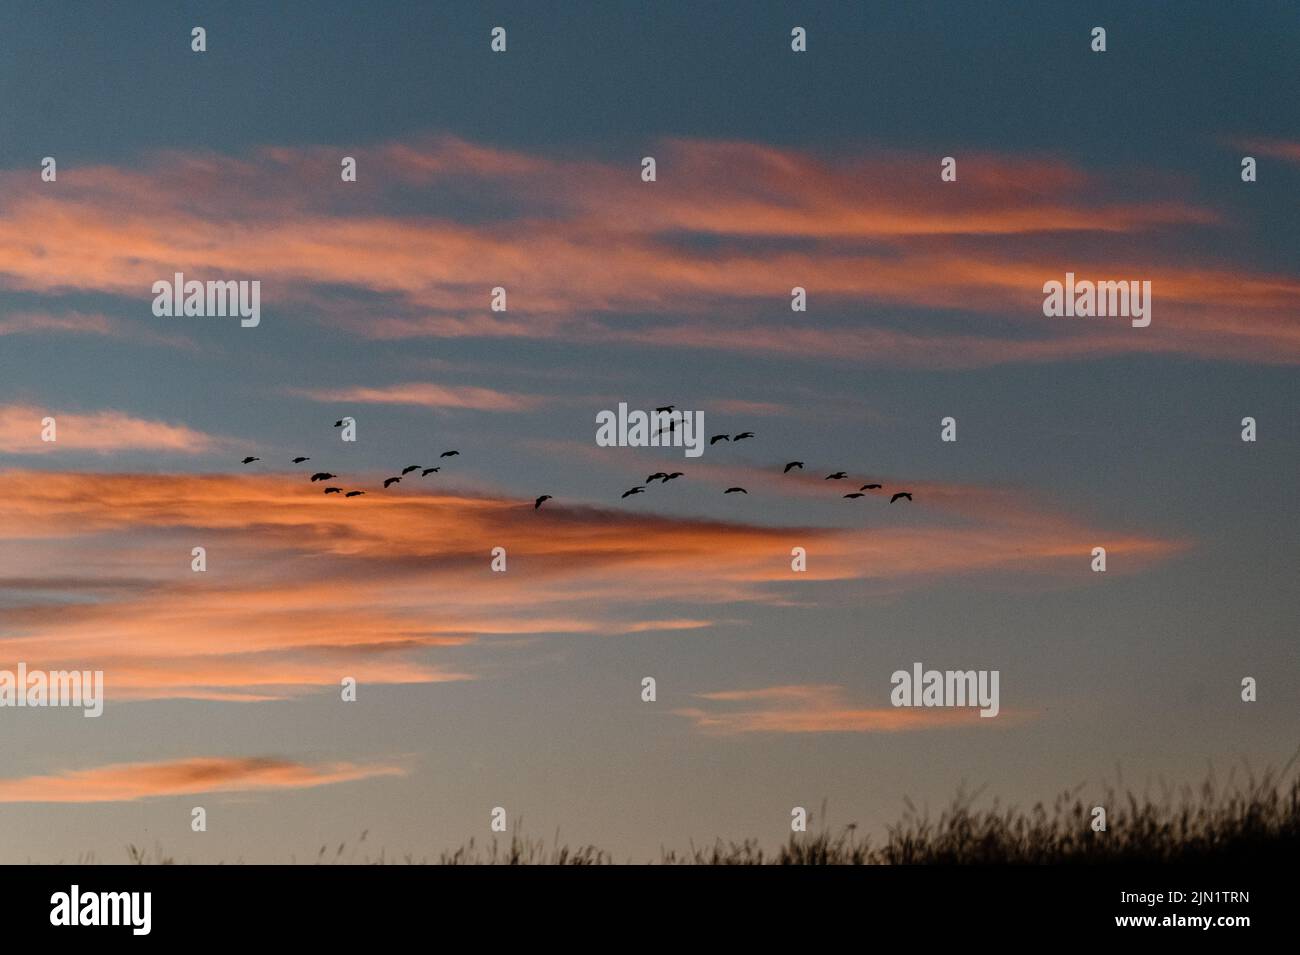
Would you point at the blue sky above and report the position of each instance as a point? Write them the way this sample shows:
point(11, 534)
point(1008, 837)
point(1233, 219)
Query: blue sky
point(521, 169)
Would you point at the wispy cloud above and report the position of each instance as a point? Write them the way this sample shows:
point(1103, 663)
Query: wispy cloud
point(820, 708)
point(101, 432)
point(127, 782)
point(425, 395)
point(587, 251)
point(30, 323)
point(1284, 149)
point(303, 589)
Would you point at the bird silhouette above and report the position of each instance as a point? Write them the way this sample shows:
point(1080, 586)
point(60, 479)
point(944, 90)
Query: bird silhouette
point(334, 490)
point(669, 477)
point(869, 487)
point(322, 476)
point(743, 435)
point(906, 494)
point(409, 468)
point(449, 454)
point(636, 490)
point(855, 494)
point(354, 493)
point(793, 464)
point(339, 424)
point(249, 460)
point(427, 471)
point(656, 476)
point(837, 476)
point(734, 490)
point(668, 408)
point(671, 429)
point(388, 482)
point(299, 460)
point(538, 503)
point(719, 437)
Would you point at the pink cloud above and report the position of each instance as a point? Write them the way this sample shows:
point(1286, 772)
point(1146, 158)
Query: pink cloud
point(101, 432)
point(425, 395)
point(586, 243)
point(127, 782)
point(822, 708)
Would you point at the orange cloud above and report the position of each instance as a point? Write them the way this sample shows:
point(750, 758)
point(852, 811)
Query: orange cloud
point(818, 708)
point(586, 243)
point(127, 782)
point(102, 432)
point(26, 323)
point(741, 406)
point(426, 395)
point(303, 589)
point(1287, 150)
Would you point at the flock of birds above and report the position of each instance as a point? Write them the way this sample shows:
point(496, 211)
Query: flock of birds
point(732, 439)
point(388, 482)
point(662, 476)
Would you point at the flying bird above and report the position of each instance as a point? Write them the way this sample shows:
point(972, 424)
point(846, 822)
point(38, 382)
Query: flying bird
point(656, 476)
point(388, 482)
point(793, 464)
point(719, 437)
point(837, 476)
point(668, 408)
point(249, 460)
point(448, 454)
point(636, 490)
point(906, 494)
point(299, 460)
point(734, 490)
point(743, 435)
point(869, 487)
point(669, 477)
point(427, 471)
point(354, 493)
point(334, 490)
point(855, 494)
point(409, 468)
point(322, 476)
point(538, 503)
point(339, 424)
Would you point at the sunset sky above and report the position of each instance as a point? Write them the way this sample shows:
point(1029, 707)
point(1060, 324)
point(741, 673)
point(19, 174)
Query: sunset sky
point(775, 169)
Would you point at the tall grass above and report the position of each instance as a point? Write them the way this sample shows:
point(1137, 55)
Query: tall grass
point(1257, 822)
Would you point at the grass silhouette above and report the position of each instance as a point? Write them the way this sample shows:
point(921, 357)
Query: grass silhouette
point(1258, 822)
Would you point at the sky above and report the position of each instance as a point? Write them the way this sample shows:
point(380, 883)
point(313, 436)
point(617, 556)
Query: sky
point(522, 170)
